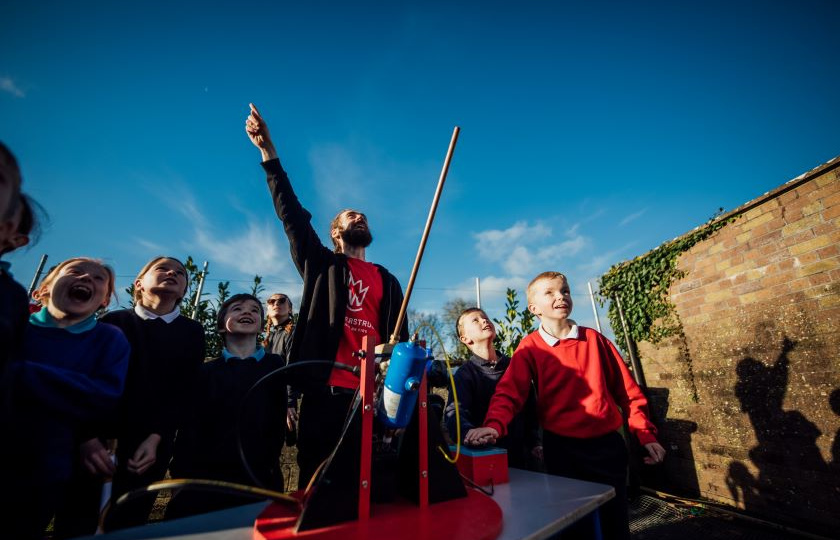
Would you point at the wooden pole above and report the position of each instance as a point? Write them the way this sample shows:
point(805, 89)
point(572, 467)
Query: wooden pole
point(425, 237)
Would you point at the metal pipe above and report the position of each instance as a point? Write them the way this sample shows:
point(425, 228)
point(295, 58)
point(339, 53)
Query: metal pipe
point(425, 237)
point(198, 291)
point(37, 274)
point(477, 293)
point(595, 311)
point(638, 374)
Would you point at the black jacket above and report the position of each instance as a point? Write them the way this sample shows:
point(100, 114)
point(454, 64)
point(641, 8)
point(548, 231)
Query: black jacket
point(320, 324)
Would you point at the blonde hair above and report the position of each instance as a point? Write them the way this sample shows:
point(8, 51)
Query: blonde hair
point(138, 294)
point(42, 293)
point(545, 275)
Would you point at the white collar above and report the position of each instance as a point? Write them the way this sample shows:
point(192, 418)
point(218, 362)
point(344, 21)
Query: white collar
point(552, 341)
point(147, 315)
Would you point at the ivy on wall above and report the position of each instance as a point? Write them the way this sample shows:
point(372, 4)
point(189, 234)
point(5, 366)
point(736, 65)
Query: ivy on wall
point(643, 284)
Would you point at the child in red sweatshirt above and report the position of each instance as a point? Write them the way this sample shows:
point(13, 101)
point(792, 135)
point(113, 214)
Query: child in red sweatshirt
point(581, 382)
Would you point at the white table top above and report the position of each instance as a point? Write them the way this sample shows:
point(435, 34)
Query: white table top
point(534, 506)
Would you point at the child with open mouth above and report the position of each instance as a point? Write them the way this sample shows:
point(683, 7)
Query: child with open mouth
point(66, 379)
point(167, 350)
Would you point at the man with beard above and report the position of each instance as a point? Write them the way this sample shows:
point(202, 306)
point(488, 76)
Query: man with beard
point(345, 298)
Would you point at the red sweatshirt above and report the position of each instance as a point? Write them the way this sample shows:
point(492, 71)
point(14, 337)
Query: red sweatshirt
point(581, 382)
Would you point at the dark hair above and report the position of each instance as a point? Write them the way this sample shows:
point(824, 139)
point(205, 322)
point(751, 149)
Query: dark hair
point(10, 172)
point(223, 309)
point(336, 224)
point(27, 215)
point(461, 316)
point(28, 225)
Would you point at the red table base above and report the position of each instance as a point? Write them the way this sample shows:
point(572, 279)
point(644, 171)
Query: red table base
point(476, 517)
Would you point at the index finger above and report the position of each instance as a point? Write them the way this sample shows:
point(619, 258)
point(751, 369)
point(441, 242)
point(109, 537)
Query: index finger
point(255, 112)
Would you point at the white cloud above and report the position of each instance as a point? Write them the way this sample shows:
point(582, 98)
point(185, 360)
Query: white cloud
point(563, 250)
point(524, 250)
point(632, 217)
point(252, 251)
point(496, 245)
point(8, 85)
point(493, 291)
point(150, 246)
point(519, 261)
point(255, 250)
point(189, 208)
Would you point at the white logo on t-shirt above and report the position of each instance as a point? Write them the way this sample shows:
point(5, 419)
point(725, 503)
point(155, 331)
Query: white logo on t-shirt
point(357, 294)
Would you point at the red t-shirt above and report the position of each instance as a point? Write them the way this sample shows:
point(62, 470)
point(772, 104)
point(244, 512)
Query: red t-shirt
point(360, 319)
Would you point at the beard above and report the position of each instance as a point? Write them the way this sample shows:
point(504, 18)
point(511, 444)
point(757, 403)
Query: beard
point(357, 237)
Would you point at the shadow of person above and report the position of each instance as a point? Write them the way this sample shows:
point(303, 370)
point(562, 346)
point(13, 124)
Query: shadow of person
point(787, 456)
point(834, 466)
point(742, 485)
point(678, 473)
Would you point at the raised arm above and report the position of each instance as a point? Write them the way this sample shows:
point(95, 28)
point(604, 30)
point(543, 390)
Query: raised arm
point(305, 245)
point(257, 131)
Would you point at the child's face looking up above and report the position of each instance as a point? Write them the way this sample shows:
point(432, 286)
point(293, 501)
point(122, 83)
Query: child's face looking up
point(165, 278)
point(81, 288)
point(551, 299)
point(243, 317)
point(476, 326)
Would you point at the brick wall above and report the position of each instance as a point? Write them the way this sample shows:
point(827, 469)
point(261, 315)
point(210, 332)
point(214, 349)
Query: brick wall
point(760, 307)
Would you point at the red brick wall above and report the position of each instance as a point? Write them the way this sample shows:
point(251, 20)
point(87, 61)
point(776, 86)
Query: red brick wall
point(760, 308)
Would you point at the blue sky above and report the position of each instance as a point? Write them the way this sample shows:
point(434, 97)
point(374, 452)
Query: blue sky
point(591, 131)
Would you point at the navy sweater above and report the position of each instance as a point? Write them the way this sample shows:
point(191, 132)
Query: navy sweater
point(165, 359)
point(475, 382)
point(62, 383)
point(14, 311)
point(207, 445)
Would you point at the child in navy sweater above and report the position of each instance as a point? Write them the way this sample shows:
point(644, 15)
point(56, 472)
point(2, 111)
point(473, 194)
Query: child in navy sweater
point(207, 446)
point(67, 377)
point(475, 383)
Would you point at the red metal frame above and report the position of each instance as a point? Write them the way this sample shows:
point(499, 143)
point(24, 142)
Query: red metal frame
point(368, 363)
point(423, 417)
point(475, 517)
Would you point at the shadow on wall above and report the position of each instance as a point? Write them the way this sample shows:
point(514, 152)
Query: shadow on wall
point(793, 481)
point(677, 474)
